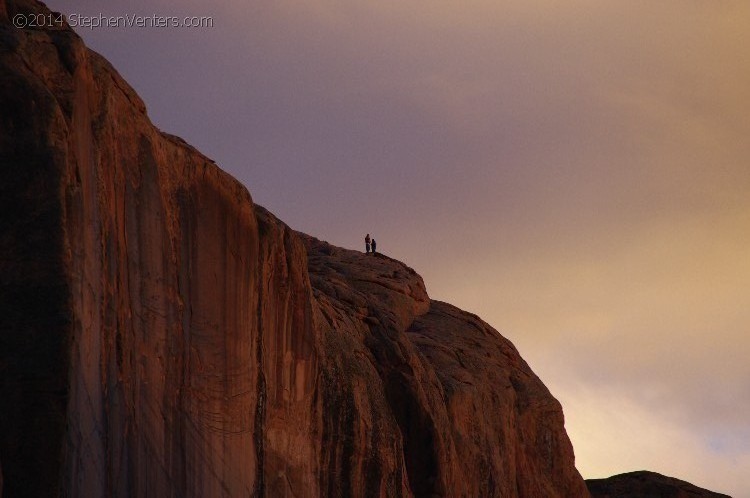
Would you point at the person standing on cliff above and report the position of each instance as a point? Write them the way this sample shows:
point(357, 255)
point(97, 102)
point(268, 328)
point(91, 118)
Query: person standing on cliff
point(367, 243)
point(374, 245)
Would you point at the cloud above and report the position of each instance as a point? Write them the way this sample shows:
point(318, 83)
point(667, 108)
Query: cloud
point(641, 335)
point(609, 428)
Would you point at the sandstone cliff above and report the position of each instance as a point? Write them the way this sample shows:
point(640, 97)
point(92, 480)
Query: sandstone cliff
point(160, 335)
point(474, 419)
point(643, 484)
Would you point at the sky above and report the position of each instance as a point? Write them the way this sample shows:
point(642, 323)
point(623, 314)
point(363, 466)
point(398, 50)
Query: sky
point(577, 173)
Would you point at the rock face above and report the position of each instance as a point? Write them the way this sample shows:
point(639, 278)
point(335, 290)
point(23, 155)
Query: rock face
point(472, 417)
point(643, 484)
point(161, 335)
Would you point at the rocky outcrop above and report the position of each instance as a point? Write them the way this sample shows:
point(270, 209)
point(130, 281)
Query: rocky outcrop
point(643, 484)
point(161, 335)
point(473, 419)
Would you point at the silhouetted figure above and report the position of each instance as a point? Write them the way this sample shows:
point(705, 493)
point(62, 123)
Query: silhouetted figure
point(367, 243)
point(374, 245)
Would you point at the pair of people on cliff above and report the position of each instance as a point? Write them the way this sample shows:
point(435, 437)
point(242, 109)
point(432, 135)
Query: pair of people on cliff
point(370, 244)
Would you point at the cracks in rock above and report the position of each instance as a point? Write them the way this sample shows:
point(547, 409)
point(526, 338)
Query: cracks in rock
point(409, 410)
point(260, 410)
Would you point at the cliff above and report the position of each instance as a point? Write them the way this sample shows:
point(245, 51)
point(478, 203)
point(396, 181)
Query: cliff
point(154, 333)
point(473, 419)
point(161, 335)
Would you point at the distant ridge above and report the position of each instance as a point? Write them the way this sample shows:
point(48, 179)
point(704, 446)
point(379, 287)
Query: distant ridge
point(644, 484)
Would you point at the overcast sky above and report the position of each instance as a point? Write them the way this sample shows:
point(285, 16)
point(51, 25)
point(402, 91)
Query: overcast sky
point(577, 173)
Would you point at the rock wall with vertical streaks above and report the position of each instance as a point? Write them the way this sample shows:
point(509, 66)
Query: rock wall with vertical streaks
point(161, 335)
